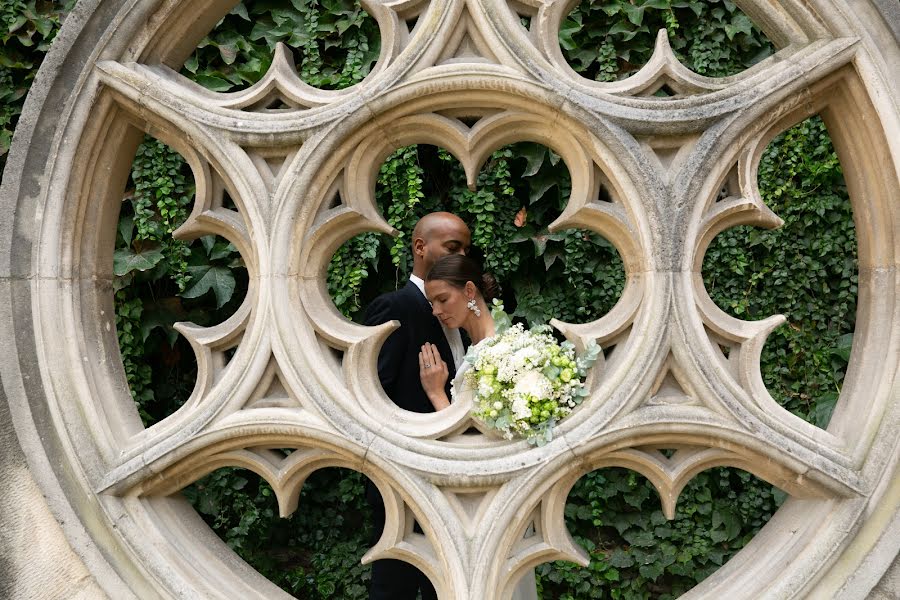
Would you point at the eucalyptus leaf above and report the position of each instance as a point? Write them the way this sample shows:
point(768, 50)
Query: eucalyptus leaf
point(502, 322)
point(551, 372)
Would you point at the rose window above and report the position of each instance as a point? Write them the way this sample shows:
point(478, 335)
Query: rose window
point(286, 173)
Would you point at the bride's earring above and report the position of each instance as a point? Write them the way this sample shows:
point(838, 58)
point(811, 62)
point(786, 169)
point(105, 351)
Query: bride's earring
point(473, 307)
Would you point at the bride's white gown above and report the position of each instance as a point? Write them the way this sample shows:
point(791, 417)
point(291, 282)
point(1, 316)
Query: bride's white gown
point(526, 589)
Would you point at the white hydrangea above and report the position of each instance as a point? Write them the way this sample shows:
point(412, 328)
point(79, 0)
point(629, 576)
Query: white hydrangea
point(520, 408)
point(519, 367)
point(533, 383)
point(498, 350)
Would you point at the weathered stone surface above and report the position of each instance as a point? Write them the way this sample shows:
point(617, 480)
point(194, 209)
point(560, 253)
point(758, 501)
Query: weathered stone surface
point(889, 586)
point(36, 560)
point(95, 487)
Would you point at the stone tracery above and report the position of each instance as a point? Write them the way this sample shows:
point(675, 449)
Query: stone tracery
point(303, 376)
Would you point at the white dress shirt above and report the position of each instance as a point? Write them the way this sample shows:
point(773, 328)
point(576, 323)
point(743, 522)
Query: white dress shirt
point(452, 335)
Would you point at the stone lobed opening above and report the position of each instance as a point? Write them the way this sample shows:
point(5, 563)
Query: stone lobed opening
point(658, 557)
point(817, 237)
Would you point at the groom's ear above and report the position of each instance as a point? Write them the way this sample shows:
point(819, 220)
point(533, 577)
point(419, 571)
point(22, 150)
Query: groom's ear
point(418, 247)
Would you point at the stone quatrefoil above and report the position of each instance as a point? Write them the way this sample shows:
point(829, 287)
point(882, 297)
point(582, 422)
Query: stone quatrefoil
point(286, 172)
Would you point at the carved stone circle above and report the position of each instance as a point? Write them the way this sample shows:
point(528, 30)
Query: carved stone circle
point(300, 166)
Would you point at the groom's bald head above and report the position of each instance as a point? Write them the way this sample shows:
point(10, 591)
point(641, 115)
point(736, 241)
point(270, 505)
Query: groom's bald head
point(438, 234)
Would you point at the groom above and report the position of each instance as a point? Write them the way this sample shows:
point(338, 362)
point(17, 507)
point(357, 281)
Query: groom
point(435, 235)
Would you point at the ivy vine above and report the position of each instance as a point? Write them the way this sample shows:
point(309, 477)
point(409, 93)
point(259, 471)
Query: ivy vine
point(26, 32)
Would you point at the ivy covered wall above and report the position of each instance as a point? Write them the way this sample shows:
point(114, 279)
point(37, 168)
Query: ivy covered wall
point(805, 270)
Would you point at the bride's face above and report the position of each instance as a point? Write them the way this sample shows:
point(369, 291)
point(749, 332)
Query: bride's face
point(448, 302)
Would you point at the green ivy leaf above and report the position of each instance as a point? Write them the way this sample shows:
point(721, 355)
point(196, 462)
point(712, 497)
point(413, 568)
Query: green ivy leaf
point(161, 316)
point(207, 504)
point(551, 257)
point(5, 141)
point(211, 82)
point(126, 228)
point(221, 249)
point(644, 539)
point(207, 277)
point(17, 23)
point(566, 32)
point(241, 11)
point(843, 347)
point(651, 572)
point(728, 521)
point(540, 184)
point(622, 27)
point(634, 13)
point(621, 559)
point(534, 155)
point(824, 409)
point(126, 260)
point(740, 23)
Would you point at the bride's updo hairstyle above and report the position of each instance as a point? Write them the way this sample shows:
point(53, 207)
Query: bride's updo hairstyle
point(457, 269)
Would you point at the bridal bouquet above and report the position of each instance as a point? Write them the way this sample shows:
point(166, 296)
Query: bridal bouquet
point(524, 380)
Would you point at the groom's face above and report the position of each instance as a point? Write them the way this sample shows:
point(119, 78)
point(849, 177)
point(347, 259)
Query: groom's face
point(449, 237)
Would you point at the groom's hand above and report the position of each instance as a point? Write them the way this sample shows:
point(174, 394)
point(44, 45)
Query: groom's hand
point(434, 373)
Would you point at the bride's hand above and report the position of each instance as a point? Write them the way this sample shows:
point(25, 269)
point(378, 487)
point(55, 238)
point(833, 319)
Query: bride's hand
point(433, 373)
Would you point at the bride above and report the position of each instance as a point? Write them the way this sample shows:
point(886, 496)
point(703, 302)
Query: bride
point(459, 292)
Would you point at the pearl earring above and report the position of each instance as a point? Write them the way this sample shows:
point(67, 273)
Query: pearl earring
point(473, 307)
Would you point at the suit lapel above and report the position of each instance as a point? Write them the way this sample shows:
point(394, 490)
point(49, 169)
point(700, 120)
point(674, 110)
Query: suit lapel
point(413, 290)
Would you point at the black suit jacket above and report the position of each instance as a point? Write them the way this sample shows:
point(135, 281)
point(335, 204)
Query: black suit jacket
point(398, 361)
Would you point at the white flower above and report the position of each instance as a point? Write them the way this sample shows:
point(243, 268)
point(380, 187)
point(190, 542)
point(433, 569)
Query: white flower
point(533, 383)
point(521, 357)
point(520, 408)
point(499, 350)
point(507, 378)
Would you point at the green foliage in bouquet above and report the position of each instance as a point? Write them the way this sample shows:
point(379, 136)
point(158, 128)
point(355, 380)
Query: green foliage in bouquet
point(524, 381)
